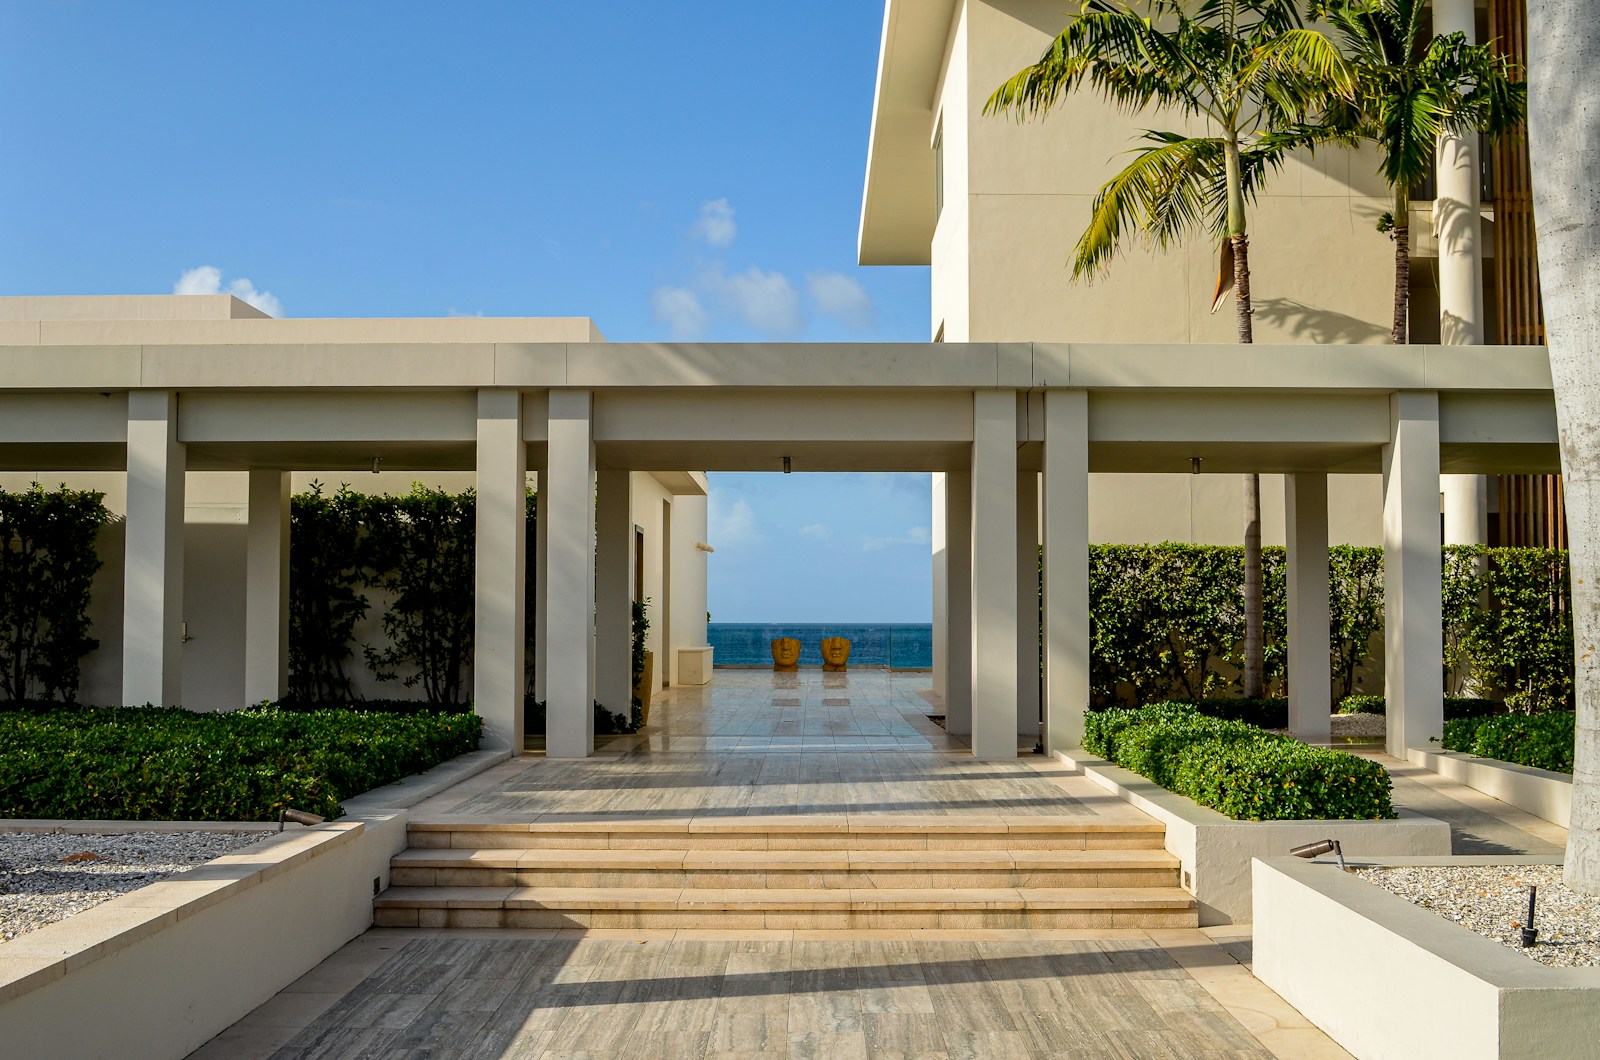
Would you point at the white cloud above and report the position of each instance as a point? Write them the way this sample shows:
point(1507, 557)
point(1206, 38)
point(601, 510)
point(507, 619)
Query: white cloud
point(680, 309)
point(207, 279)
point(766, 301)
point(843, 299)
point(917, 535)
point(731, 523)
point(715, 224)
point(817, 531)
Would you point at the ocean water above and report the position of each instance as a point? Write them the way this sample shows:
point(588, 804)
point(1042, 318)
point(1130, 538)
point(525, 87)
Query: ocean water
point(900, 646)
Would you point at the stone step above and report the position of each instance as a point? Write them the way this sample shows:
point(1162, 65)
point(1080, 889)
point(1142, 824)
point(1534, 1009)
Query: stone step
point(827, 869)
point(784, 908)
point(800, 832)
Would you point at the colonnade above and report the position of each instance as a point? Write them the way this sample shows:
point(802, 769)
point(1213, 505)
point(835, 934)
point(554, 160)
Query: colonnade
point(996, 514)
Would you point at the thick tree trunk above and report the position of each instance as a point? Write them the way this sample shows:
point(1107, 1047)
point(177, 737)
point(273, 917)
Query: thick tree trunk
point(1564, 138)
point(1402, 269)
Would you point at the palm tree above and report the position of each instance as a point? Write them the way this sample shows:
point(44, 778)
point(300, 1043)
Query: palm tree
point(1413, 88)
point(1563, 135)
point(1253, 73)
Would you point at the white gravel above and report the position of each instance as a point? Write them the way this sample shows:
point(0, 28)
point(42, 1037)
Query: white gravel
point(48, 876)
point(1493, 901)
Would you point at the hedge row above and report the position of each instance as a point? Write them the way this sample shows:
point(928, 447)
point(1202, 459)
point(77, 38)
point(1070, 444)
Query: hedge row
point(1454, 706)
point(152, 763)
point(1543, 741)
point(1235, 768)
point(1167, 623)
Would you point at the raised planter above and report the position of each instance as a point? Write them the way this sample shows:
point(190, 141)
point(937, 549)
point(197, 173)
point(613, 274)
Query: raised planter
point(1537, 791)
point(1215, 851)
point(1385, 978)
point(159, 971)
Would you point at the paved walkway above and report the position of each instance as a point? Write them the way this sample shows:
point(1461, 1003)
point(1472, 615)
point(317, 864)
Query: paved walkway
point(1478, 823)
point(756, 744)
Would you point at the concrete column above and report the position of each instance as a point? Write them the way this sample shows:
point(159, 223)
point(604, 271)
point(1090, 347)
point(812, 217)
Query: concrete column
point(994, 574)
point(152, 605)
point(613, 593)
point(1457, 223)
point(941, 591)
point(1305, 496)
point(1456, 219)
point(1412, 610)
point(568, 508)
point(958, 601)
point(266, 593)
point(1466, 509)
point(500, 571)
point(1028, 604)
point(1066, 566)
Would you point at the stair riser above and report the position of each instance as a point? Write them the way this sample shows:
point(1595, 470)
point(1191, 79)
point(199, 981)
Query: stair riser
point(407, 876)
point(818, 920)
point(480, 840)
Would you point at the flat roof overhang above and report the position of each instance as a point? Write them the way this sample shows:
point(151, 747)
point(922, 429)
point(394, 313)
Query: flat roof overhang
point(897, 203)
point(664, 407)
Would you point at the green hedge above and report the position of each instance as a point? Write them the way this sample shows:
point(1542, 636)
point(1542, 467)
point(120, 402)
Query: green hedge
point(47, 567)
point(1454, 706)
point(1544, 741)
point(169, 764)
point(1166, 622)
point(1235, 768)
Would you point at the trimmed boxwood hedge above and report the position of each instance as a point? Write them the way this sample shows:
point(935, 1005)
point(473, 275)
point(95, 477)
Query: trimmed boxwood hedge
point(1236, 768)
point(1543, 741)
point(170, 764)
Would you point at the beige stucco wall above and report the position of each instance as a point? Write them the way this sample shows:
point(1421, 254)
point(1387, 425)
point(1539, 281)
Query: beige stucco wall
point(1017, 197)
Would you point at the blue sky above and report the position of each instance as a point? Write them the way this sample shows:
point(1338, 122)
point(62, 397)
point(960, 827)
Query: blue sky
point(671, 170)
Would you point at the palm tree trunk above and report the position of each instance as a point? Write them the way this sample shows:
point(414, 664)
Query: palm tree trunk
point(1402, 268)
point(1254, 629)
point(1563, 134)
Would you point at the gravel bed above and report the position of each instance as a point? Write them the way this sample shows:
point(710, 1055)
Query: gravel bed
point(1493, 901)
point(48, 876)
point(1352, 727)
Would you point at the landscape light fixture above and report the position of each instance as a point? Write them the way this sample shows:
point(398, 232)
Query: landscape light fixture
point(375, 462)
point(1530, 934)
point(298, 817)
point(1194, 465)
point(1320, 847)
point(786, 466)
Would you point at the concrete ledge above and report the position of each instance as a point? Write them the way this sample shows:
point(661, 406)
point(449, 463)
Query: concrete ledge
point(404, 794)
point(158, 972)
point(1537, 791)
point(1385, 978)
point(162, 970)
point(1215, 851)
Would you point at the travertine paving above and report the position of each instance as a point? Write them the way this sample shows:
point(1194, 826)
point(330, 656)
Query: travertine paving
point(775, 994)
point(766, 744)
point(852, 758)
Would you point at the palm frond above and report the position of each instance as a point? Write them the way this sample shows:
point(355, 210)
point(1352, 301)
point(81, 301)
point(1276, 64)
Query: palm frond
point(1166, 192)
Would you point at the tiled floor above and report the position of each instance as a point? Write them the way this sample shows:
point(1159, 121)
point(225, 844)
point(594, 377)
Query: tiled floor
point(760, 744)
point(757, 743)
point(1000, 995)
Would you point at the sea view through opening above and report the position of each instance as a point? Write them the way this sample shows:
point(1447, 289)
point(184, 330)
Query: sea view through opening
point(896, 646)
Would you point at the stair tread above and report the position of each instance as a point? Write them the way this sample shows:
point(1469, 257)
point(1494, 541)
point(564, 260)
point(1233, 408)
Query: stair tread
point(786, 898)
point(782, 860)
point(822, 824)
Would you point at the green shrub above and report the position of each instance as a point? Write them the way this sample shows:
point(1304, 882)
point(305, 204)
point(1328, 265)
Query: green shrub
point(1508, 625)
point(1361, 705)
point(1267, 713)
point(47, 567)
point(1237, 769)
point(169, 764)
point(535, 719)
point(1543, 741)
